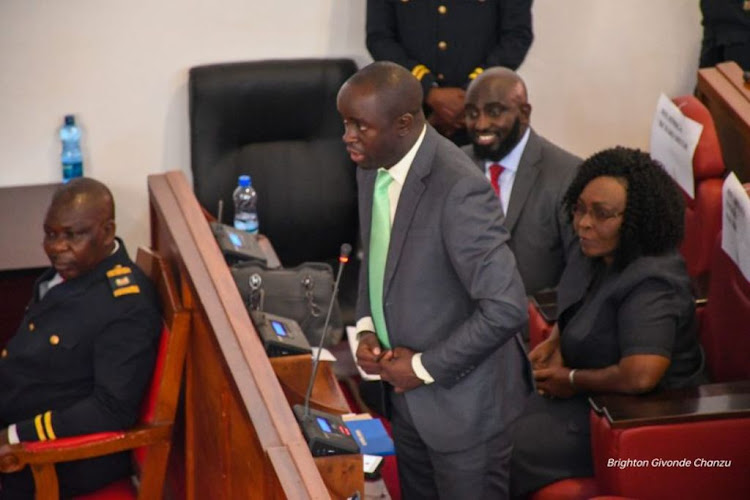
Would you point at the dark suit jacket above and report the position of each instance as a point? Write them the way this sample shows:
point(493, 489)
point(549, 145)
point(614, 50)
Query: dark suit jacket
point(452, 292)
point(541, 235)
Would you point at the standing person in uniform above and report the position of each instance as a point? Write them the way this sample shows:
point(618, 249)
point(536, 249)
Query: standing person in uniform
point(726, 32)
point(84, 352)
point(446, 44)
point(529, 174)
point(440, 299)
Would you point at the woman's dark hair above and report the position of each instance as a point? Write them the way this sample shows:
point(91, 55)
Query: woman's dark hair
point(654, 218)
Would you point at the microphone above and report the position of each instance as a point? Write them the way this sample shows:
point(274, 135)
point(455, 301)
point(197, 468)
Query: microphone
point(326, 434)
point(346, 249)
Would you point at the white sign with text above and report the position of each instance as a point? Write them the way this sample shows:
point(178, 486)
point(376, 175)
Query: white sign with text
point(735, 224)
point(673, 140)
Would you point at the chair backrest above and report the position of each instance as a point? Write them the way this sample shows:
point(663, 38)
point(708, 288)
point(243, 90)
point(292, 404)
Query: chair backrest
point(725, 329)
point(703, 212)
point(160, 402)
point(277, 121)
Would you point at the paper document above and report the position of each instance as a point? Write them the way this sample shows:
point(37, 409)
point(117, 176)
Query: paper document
point(735, 224)
point(674, 137)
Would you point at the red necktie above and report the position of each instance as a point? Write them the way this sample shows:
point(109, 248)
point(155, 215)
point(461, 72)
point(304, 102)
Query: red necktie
point(495, 170)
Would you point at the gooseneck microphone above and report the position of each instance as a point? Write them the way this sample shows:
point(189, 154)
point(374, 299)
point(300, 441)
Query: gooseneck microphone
point(346, 249)
point(326, 434)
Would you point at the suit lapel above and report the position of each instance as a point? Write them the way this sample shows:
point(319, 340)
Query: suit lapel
point(407, 203)
point(526, 175)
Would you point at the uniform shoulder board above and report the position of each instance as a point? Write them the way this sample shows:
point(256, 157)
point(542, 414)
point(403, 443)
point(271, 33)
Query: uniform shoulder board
point(122, 281)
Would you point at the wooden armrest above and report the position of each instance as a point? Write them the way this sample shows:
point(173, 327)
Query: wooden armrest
point(705, 402)
point(15, 457)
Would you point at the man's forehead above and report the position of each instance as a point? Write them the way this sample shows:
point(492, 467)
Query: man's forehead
point(75, 212)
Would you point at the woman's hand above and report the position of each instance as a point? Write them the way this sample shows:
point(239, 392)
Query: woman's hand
point(547, 354)
point(554, 382)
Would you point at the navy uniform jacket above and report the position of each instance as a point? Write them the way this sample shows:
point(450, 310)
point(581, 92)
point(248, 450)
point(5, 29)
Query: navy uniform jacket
point(82, 357)
point(449, 42)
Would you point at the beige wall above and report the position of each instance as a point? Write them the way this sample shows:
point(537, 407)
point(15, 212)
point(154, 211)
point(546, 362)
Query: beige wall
point(594, 74)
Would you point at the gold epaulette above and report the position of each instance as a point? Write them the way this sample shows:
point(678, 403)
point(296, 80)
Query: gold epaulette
point(419, 71)
point(122, 282)
point(477, 71)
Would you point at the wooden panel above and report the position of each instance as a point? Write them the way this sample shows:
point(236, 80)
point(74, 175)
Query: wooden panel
point(236, 411)
point(725, 94)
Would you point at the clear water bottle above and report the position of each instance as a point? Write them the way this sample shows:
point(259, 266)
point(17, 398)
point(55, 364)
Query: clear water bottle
point(72, 160)
point(245, 206)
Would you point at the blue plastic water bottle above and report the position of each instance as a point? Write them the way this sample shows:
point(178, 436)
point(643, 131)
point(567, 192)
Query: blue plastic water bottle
point(72, 160)
point(245, 205)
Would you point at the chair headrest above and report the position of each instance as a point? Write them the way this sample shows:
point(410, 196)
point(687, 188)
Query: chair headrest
point(707, 160)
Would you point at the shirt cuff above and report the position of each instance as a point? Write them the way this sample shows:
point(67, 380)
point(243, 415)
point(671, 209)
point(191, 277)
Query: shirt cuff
point(365, 324)
point(419, 369)
point(13, 435)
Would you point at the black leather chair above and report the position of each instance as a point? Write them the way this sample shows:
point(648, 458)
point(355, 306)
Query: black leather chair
point(277, 121)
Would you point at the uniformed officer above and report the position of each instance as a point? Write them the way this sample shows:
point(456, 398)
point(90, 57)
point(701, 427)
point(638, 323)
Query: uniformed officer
point(446, 44)
point(726, 32)
point(84, 353)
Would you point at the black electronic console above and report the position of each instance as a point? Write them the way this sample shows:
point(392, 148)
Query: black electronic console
point(236, 245)
point(326, 434)
point(280, 336)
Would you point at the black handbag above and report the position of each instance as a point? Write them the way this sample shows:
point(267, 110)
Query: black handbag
point(301, 293)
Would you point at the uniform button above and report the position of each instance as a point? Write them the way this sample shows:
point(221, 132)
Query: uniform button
point(442, 9)
point(4, 353)
point(442, 45)
point(54, 340)
point(31, 327)
point(440, 77)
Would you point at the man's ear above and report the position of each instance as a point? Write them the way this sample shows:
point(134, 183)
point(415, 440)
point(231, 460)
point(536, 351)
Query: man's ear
point(110, 228)
point(404, 124)
point(525, 113)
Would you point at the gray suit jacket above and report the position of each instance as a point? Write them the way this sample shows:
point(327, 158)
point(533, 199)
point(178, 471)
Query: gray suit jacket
point(541, 235)
point(452, 292)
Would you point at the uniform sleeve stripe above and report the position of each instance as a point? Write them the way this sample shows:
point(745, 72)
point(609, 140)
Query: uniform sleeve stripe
point(39, 428)
point(118, 271)
point(126, 291)
point(48, 425)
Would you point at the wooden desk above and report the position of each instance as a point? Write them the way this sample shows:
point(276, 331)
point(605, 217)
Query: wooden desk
point(22, 258)
point(22, 211)
point(727, 97)
point(705, 402)
point(241, 439)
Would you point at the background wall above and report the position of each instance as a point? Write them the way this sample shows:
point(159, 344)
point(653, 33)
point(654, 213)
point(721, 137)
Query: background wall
point(594, 74)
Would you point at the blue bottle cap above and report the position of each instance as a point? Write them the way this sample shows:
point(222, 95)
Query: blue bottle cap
point(244, 180)
point(70, 120)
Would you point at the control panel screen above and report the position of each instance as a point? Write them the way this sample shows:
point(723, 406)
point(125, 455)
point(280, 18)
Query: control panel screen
point(235, 239)
point(323, 423)
point(279, 328)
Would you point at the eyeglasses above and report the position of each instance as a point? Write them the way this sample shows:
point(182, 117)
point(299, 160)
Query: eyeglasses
point(598, 214)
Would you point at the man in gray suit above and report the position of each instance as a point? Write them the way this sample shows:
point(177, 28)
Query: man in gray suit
point(529, 173)
point(440, 299)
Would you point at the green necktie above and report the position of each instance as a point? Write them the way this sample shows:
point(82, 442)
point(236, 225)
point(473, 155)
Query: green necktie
point(380, 236)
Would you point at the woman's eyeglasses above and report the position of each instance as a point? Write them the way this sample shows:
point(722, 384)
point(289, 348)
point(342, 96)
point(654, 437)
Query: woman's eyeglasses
point(597, 213)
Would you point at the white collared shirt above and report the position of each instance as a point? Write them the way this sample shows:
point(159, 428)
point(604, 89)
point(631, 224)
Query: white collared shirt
point(398, 172)
point(510, 162)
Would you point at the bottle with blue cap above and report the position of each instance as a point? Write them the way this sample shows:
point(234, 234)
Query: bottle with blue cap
point(71, 157)
point(245, 206)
